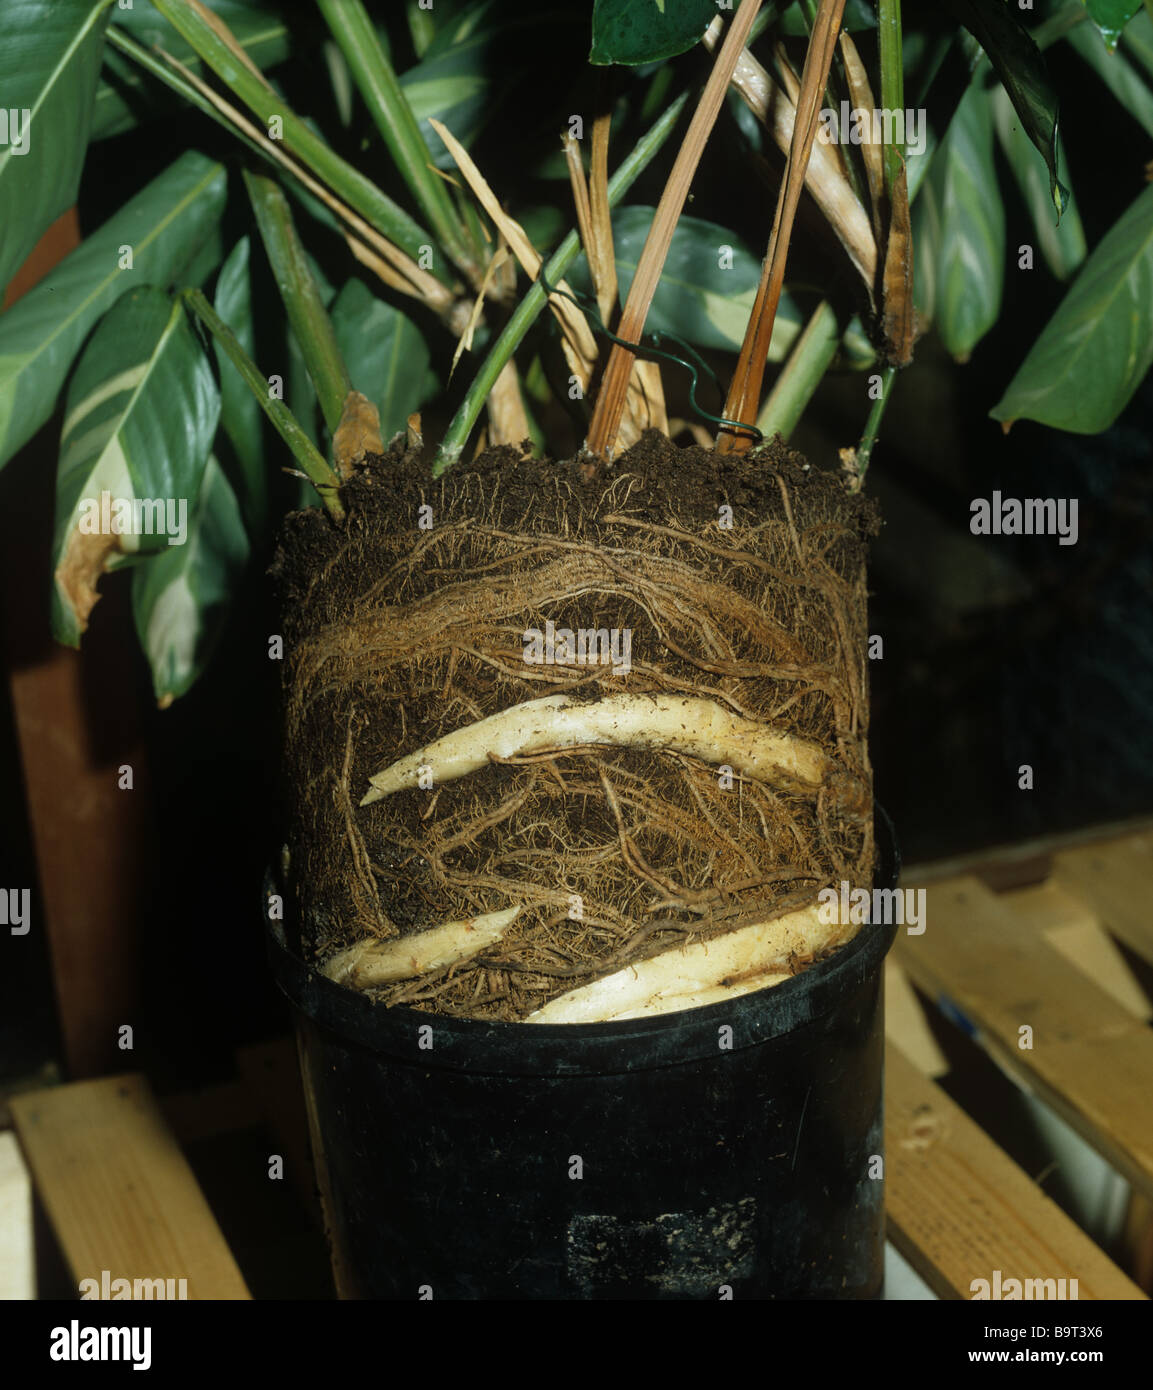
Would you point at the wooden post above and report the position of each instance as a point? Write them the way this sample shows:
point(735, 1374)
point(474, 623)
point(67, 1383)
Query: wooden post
point(77, 722)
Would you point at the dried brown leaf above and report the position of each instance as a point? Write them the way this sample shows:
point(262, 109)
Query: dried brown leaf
point(508, 422)
point(825, 180)
point(898, 318)
point(84, 560)
point(578, 343)
point(357, 435)
point(861, 95)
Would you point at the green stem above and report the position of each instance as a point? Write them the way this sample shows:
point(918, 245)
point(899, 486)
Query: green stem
point(157, 68)
point(312, 462)
point(801, 375)
point(892, 83)
point(873, 424)
point(527, 311)
point(1136, 43)
point(654, 99)
point(301, 295)
point(222, 55)
point(388, 106)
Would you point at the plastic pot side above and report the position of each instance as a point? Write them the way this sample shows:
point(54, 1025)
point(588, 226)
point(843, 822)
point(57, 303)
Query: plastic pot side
point(727, 1151)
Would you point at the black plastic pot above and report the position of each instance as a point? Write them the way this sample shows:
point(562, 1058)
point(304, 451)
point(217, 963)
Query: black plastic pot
point(726, 1151)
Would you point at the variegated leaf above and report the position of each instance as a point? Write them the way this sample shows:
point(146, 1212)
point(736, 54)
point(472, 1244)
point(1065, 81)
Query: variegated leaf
point(141, 414)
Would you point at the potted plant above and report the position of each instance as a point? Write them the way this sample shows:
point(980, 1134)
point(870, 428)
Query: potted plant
point(580, 825)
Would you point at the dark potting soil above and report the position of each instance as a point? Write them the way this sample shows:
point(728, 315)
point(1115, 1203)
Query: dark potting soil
point(735, 579)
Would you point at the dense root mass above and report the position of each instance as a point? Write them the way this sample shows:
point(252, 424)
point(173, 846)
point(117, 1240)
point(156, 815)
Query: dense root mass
point(634, 709)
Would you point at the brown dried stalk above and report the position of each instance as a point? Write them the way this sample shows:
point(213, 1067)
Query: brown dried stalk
point(606, 421)
point(645, 402)
point(745, 392)
point(825, 178)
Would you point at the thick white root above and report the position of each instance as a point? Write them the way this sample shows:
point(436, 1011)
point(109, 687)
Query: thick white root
point(685, 977)
point(382, 962)
point(681, 723)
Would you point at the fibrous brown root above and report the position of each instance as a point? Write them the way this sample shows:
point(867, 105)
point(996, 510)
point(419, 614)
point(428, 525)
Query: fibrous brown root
point(742, 584)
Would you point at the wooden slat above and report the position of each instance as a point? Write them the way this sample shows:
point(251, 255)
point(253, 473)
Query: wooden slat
point(76, 721)
point(1093, 951)
point(17, 1249)
point(119, 1193)
point(1116, 880)
point(1048, 905)
point(959, 1208)
point(1091, 1060)
point(1074, 930)
point(906, 1024)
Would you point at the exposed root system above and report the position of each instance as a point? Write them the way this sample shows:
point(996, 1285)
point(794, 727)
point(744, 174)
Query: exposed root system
point(741, 585)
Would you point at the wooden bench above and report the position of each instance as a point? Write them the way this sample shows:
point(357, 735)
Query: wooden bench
point(1033, 975)
point(118, 1190)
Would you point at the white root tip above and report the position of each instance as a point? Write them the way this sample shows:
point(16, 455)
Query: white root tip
point(683, 977)
point(372, 962)
point(679, 723)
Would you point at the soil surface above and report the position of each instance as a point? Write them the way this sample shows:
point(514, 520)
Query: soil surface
point(736, 579)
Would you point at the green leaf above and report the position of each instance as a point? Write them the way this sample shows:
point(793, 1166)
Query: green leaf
point(1117, 73)
point(456, 81)
point(125, 96)
point(142, 411)
point(1095, 350)
point(181, 598)
point(1019, 64)
point(459, 20)
point(49, 62)
point(969, 218)
point(386, 354)
point(312, 462)
point(645, 31)
point(1111, 16)
point(208, 258)
point(927, 236)
point(241, 449)
point(422, 29)
point(43, 331)
point(1063, 246)
point(391, 111)
point(272, 111)
point(457, 99)
point(708, 285)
